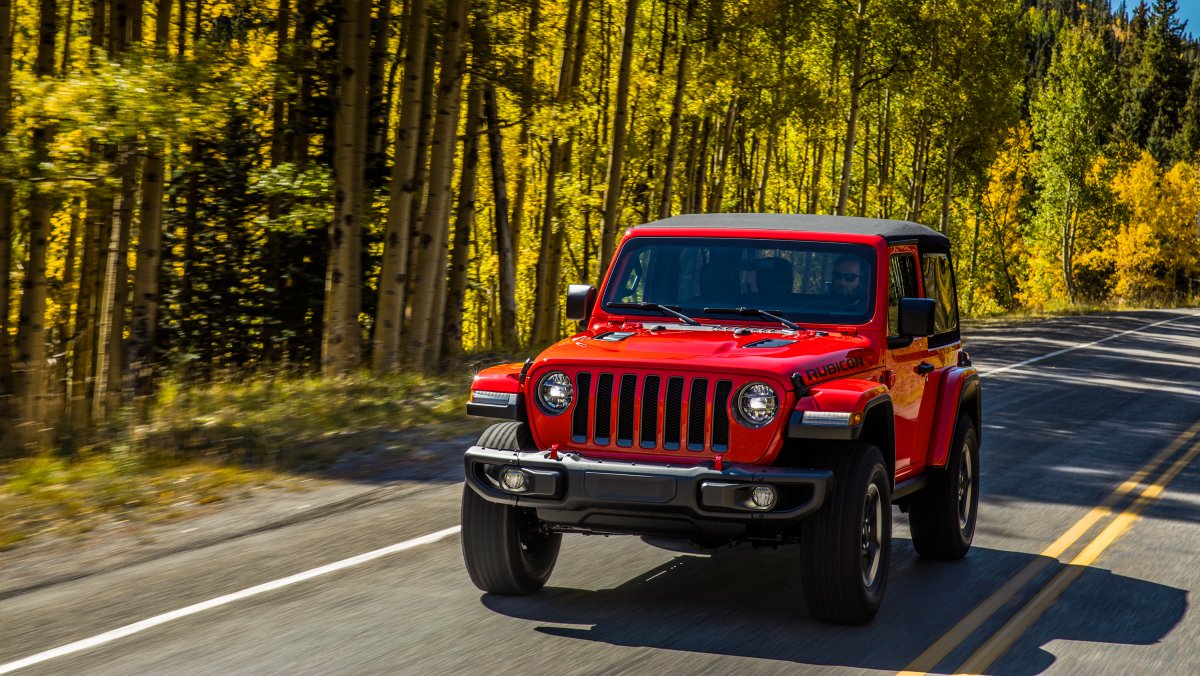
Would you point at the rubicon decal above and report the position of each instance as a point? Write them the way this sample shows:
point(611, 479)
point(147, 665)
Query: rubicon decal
point(848, 364)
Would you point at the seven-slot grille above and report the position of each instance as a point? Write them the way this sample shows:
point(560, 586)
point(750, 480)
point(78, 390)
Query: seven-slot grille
point(670, 412)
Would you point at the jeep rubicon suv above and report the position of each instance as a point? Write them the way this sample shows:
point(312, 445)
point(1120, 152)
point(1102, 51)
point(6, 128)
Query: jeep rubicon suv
point(771, 379)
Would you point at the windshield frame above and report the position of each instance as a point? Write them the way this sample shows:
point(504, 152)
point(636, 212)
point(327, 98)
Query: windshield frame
point(635, 245)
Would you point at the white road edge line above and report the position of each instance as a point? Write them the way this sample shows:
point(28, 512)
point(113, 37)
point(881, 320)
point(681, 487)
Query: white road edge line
point(1082, 346)
point(129, 629)
point(136, 627)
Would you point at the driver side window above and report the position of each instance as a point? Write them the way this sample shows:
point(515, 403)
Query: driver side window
point(903, 284)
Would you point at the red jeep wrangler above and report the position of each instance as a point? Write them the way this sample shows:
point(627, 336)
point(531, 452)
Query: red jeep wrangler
point(770, 379)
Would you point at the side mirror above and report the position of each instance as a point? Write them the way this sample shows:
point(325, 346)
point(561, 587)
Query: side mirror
point(916, 317)
point(581, 298)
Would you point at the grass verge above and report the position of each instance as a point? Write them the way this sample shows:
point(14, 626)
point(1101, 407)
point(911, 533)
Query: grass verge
point(194, 445)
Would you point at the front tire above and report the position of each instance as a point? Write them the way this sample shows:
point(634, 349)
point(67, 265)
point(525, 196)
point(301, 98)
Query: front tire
point(846, 547)
point(941, 516)
point(505, 548)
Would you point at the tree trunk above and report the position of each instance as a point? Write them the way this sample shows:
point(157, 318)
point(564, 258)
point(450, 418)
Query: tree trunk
point(136, 12)
point(699, 180)
point(1068, 247)
point(191, 229)
point(948, 180)
point(420, 196)
point(616, 157)
point(119, 28)
point(144, 318)
point(197, 16)
point(98, 30)
point(300, 113)
point(885, 158)
point(377, 112)
point(124, 32)
point(426, 311)
point(162, 27)
point(87, 311)
point(545, 284)
point(181, 34)
point(29, 369)
point(685, 46)
point(62, 329)
point(340, 342)
point(362, 186)
point(916, 196)
point(551, 315)
point(768, 154)
point(689, 169)
point(119, 284)
point(526, 97)
point(6, 199)
point(507, 282)
point(401, 193)
point(866, 168)
point(452, 335)
point(68, 32)
point(275, 272)
point(437, 327)
point(814, 193)
point(716, 199)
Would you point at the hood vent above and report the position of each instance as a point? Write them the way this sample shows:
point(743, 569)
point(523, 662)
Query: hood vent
point(769, 342)
point(613, 336)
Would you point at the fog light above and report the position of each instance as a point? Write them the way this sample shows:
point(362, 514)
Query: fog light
point(514, 480)
point(763, 497)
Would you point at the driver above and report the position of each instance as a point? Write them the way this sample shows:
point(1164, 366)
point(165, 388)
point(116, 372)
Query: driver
point(849, 283)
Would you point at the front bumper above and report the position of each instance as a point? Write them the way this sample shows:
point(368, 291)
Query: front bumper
point(639, 497)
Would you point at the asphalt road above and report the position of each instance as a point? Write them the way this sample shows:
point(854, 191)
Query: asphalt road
point(1063, 434)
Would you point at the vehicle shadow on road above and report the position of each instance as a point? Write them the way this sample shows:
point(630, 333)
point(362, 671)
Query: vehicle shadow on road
point(748, 603)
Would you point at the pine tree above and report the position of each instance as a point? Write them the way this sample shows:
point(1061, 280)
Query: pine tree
point(1165, 77)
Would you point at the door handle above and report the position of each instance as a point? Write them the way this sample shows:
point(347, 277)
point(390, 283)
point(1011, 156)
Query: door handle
point(924, 368)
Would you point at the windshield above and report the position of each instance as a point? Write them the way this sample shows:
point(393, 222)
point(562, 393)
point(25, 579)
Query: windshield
point(806, 282)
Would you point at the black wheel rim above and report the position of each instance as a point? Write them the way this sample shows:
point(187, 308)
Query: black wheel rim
point(871, 541)
point(966, 488)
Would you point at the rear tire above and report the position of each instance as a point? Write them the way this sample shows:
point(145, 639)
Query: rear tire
point(941, 516)
point(505, 548)
point(846, 546)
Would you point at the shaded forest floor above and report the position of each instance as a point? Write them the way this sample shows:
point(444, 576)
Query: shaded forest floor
point(194, 447)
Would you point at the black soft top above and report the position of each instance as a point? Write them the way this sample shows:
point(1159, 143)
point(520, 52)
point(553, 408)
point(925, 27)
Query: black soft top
point(892, 231)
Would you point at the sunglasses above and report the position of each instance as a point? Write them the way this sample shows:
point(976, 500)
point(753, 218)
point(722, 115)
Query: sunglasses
point(846, 276)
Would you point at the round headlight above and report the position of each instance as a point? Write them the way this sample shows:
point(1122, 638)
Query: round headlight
point(555, 392)
point(757, 404)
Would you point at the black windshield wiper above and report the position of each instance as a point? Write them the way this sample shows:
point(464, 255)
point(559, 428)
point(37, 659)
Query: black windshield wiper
point(752, 312)
point(671, 310)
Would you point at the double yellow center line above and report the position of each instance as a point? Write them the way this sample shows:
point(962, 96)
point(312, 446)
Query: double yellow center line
point(1002, 640)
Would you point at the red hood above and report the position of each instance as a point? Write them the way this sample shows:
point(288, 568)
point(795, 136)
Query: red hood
point(816, 355)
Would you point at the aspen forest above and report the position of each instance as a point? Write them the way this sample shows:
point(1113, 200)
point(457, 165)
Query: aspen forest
point(197, 188)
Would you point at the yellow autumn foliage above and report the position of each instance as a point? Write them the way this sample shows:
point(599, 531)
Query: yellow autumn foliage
point(1158, 241)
